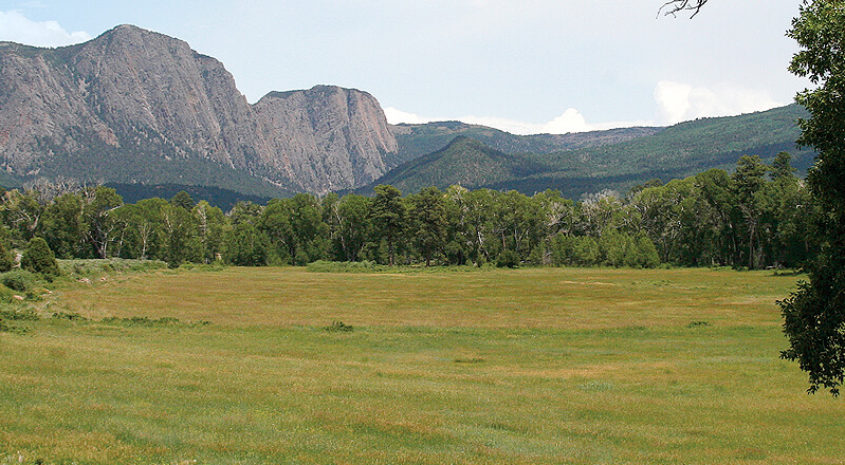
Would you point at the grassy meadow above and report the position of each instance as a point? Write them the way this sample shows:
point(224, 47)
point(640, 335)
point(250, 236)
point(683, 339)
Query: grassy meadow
point(530, 366)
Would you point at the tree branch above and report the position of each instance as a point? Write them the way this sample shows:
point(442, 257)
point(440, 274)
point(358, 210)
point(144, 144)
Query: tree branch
point(673, 7)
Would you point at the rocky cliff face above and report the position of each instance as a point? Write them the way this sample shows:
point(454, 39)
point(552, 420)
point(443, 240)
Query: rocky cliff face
point(328, 136)
point(137, 106)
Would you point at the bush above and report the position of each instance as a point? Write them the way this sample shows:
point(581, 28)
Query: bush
point(99, 267)
point(508, 259)
point(301, 258)
point(322, 266)
point(18, 280)
point(38, 258)
point(338, 327)
point(70, 316)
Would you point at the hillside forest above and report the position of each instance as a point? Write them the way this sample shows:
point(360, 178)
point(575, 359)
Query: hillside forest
point(758, 216)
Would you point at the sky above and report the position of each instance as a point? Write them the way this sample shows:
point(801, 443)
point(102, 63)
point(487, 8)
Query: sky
point(524, 66)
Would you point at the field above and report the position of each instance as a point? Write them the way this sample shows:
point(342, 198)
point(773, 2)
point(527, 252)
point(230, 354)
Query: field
point(533, 366)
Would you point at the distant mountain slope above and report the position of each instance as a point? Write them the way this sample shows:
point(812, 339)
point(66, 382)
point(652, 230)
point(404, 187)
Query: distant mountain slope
point(678, 151)
point(223, 198)
point(415, 140)
point(135, 106)
point(464, 161)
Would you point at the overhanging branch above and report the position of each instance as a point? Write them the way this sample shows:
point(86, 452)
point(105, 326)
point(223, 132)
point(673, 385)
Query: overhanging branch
point(673, 7)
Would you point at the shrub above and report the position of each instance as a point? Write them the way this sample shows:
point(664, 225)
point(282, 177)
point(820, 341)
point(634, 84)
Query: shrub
point(338, 327)
point(38, 258)
point(301, 258)
point(98, 267)
point(18, 280)
point(508, 258)
point(322, 266)
point(70, 316)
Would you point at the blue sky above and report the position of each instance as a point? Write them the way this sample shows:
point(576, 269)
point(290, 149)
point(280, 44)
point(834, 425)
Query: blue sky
point(526, 66)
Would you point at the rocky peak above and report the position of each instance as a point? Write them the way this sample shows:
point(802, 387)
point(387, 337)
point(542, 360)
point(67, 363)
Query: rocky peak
point(347, 124)
point(138, 99)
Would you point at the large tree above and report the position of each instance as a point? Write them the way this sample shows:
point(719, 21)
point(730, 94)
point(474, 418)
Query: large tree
point(388, 216)
point(814, 316)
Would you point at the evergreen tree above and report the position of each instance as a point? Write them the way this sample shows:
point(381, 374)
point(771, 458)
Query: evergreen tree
point(388, 217)
point(428, 222)
point(38, 258)
point(182, 199)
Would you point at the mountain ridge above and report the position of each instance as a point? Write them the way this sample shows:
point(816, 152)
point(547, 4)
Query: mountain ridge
point(133, 106)
point(131, 91)
point(673, 152)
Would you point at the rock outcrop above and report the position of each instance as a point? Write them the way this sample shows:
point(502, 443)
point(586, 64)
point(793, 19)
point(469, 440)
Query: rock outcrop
point(138, 106)
point(330, 137)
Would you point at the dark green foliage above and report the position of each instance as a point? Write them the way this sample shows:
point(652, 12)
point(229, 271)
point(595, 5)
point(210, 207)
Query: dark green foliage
point(508, 259)
point(245, 245)
point(182, 199)
point(224, 199)
point(744, 220)
point(19, 280)
point(463, 161)
point(38, 258)
point(388, 216)
point(338, 327)
point(7, 261)
point(814, 316)
point(62, 225)
point(698, 324)
point(180, 232)
point(427, 214)
point(322, 266)
point(69, 316)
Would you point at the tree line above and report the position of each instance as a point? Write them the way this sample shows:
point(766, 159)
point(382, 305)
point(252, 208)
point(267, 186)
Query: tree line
point(758, 216)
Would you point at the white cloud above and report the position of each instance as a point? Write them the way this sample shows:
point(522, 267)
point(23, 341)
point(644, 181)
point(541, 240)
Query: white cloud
point(396, 116)
point(16, 27)
point(682, 102)
point(570, 120)
point(676, 102)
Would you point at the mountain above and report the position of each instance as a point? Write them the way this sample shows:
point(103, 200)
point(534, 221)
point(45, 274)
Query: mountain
point(419, 139)
point(326, 138)
point(463, 161)
point(678, 151)
point(137, 107)
point(134, 106)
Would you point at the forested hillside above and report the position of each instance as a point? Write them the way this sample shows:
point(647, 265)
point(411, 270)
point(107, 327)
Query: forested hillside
point(678, 151)
point(416, 140)
point(758, 216)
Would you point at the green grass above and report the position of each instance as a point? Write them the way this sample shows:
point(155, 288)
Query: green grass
point(533, 366)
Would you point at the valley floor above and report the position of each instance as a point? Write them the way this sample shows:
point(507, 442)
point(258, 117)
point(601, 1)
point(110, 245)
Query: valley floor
point(533, 366)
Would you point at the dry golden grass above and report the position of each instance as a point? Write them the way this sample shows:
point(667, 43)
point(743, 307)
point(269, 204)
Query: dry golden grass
point(577, 298)
point(538, 366)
